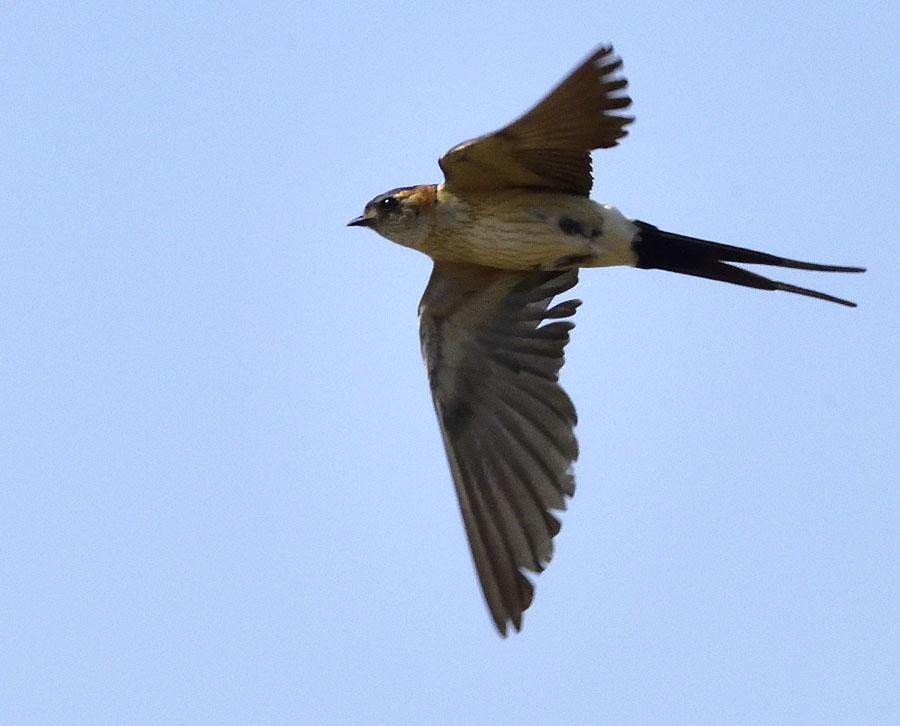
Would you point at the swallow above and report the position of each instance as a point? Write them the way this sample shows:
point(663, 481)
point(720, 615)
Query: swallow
point(508, 230)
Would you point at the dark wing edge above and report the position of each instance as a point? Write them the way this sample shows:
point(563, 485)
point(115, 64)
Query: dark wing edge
point(549, 146)
point(506, 423)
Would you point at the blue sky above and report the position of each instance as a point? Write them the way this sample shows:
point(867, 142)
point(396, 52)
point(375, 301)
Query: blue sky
point(224, 497)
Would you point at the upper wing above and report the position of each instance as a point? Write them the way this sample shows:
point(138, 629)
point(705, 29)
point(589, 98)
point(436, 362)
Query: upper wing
point(550, 146)
point(507, 424)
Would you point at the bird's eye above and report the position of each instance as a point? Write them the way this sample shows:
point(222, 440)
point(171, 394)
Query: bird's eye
point(387, 204)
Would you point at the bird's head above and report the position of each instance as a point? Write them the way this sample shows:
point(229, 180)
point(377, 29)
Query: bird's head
point(400, 215)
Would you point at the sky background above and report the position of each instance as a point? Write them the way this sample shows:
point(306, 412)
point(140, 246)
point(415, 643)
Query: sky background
point(223, 496)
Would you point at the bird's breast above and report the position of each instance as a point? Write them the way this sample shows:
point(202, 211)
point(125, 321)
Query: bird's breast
point(527, 230)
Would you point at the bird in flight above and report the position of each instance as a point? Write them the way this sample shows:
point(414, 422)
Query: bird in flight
point(508, 230)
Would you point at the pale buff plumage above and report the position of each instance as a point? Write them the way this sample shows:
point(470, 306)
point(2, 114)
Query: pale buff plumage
point(515, 229)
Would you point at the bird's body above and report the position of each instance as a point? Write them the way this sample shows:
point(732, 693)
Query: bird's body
point(518, 229)
point(508, 230)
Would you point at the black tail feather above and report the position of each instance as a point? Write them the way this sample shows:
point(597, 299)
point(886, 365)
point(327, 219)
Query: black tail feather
point(656, 249)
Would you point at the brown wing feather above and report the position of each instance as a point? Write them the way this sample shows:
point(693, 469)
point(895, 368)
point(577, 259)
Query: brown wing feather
point(549, 147)
point(507, 425)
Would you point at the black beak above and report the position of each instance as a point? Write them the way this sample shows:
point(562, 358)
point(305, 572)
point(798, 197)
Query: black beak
point(361, 221)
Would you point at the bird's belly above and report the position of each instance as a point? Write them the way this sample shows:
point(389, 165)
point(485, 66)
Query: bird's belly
point(532, 230)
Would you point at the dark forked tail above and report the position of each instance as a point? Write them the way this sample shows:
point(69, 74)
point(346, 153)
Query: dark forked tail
point(656, 249)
